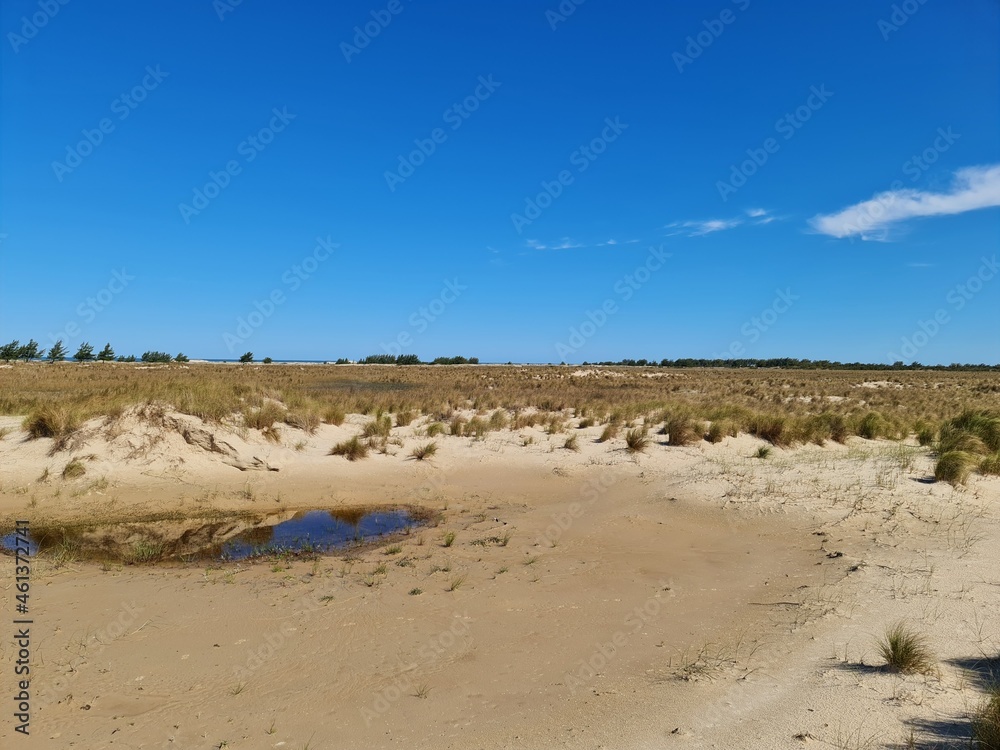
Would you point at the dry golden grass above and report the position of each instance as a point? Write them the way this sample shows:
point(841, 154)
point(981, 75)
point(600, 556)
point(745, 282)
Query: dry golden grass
point(784, 407)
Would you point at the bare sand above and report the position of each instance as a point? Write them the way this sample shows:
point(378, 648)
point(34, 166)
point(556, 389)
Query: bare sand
point(685, 597)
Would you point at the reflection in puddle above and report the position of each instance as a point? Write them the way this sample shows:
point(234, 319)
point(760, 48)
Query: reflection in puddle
point(302, 532)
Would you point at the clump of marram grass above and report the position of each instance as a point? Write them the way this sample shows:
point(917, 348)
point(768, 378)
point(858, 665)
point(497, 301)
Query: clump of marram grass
point(380, 427)
point(307, 421)
point(404, 417)
point(457, 425)
point(57, 422)
point(926, 435)
point(585, 423)
point(717, 431)
point(572, 444)
point(905, 651)
point(954, 467)
point(983, 424)
point(520, 421)
point(773, 429)
point(609, 432)
point(477, 428)
point(74, 469)
point(636, 440)
point(680, 430)
point(955, 439)
point(434, 429)
point(448, 539)
point(963, 441)
point(498, 420)
point(334, 415)
point(872, 426)
point(422, 452)
point(263, 416)
point(990, 465)
point(986, 720)
point(555, 426)
point(352, 449)
point(763, 452)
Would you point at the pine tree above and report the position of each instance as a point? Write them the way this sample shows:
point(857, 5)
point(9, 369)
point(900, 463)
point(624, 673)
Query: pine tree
point(107, 354)
point(10, 351)
point(58, 352)
point(30, 351)
point(85, 353)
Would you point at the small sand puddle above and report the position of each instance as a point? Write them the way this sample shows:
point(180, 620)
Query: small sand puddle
point(232, 538)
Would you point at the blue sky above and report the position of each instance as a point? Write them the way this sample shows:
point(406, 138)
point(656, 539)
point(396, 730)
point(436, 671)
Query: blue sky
point(522, 181)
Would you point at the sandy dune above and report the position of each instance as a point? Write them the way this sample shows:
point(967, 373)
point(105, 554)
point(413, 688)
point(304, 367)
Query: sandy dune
point(690, 597)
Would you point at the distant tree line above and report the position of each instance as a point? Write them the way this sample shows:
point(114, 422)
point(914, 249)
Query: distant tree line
point(58, 353)
point(788, 363)
point(32, 351)
point(411, 359)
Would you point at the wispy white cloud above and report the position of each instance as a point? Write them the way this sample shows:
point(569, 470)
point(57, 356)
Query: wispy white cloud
point(972, 188)
point(612, 242)
point(701, 228)
point(564, 244)
point(710, 226)
point(567, 244)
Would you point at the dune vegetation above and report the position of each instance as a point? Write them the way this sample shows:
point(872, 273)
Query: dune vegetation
point(957, 413)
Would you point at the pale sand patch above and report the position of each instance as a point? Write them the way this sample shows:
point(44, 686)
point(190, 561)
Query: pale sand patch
point(696, 562)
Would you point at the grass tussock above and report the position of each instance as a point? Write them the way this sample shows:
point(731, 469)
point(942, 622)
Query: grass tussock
point(990, 465)
point(967, 442)
point(681, 430)
point(434, 429)
point(477, 427)
point(380, 427)
point(263, 416)
point(498, 420)
point(405, 416)
point(904, 650)
point(636, 440)
point(352, 449)
point(74, 469)
point(142, 552)
point(719, 430)
point(58, 422)
point(772, 428)
point(457, 425)
point(423, 452)
point(986, 721)
point(954, 467)
point(334, 415)
point(307, 421)
point(610, 432)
